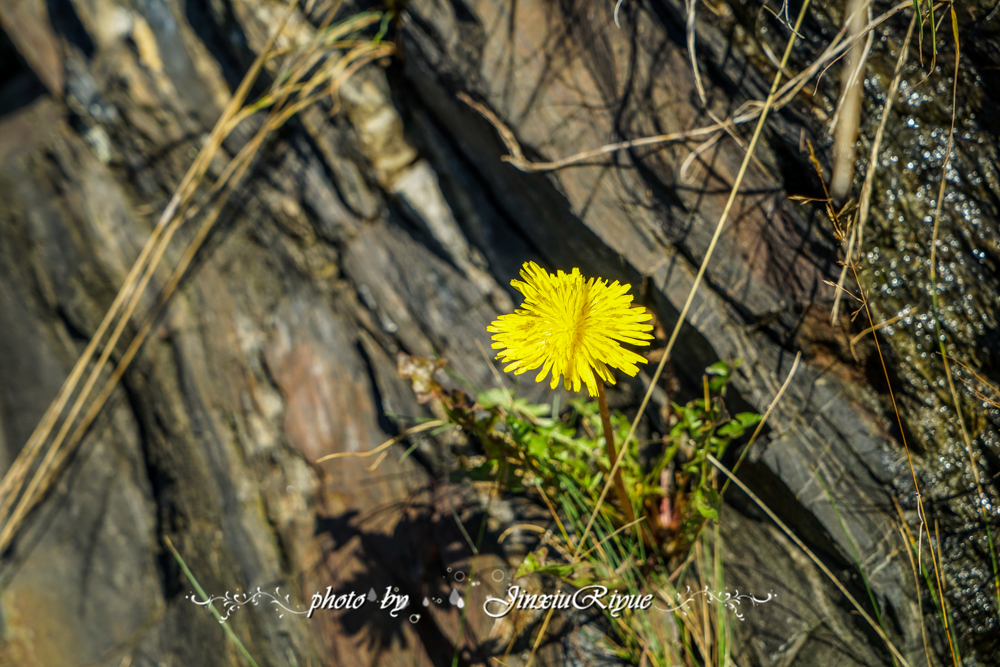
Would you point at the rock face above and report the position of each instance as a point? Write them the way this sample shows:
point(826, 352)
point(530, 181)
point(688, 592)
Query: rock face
point(392, 226)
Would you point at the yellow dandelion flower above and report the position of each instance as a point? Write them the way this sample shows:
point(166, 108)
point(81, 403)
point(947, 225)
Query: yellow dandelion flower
point(571, 327)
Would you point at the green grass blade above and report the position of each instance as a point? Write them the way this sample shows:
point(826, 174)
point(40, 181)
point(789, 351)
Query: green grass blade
point(211, 607)
point(857, 556)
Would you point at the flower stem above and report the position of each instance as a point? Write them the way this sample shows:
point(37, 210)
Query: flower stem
point(609, 446)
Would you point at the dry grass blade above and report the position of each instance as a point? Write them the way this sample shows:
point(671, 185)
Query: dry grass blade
point(904, 532)
point(938, 568)
point(683, 315)
point(610, 535)
point(130, 292)
point(704, 264)
point(857, 231)
point(518, 160)
point(767, 413)
point(937, 315)
point(520, 526)
point(291, 92)
point(746, 113)
point(866, 189)
point(847, 118)
point(385, 445)
point(792, 536)
point(691, 7)
point(865, 332)
point(59, 451)
point(29, 453)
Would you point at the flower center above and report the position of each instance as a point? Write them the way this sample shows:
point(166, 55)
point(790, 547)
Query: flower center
point(575, 319)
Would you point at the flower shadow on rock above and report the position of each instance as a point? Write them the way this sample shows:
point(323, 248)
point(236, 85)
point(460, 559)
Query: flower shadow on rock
point(415, 559)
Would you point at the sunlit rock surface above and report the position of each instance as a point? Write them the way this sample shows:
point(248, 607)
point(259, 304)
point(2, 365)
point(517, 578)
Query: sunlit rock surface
point(395, 226)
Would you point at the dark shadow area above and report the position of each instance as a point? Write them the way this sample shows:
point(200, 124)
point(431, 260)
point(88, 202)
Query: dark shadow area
point(421, 558)
point(19, 86)
point(66, 23)
point(216, 26)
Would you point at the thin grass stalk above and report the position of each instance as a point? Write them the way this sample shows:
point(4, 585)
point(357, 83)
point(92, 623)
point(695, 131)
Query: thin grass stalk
point(792, 536)
point(763, 420)
point(834, 51)
point(24, 461)
point(175, 207)
point(472, 569)
point(878, 347)
point(745, 113)
point(707, 645)
point(614, 559)
point(920, 598)
point(555, 515)
point(47, 471)
point(892, 396)
point(923, 571)
point(854, 554)
point(939, 332)
point(617, 531)
point(722, 620)
point(711, 247)
point(211, 607)
point(857, 231)
point(904, 533)
point(956, 651)
point(287, 82)
point(609, 447)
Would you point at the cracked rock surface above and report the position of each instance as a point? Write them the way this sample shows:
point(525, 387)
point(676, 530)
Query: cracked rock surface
point(394, 226)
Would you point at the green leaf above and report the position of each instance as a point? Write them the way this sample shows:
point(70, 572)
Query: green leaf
point(719, 368)
point(731, 429)
point(707, 503)
point(714, 499)
point(493, 397)
point(537, 448)
point(748, 418)
point(595, 481)
point(559, 570)
point(528, 565)
point(536, 410)
point(692, 416)
point(441, 429)
point(531, 563)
